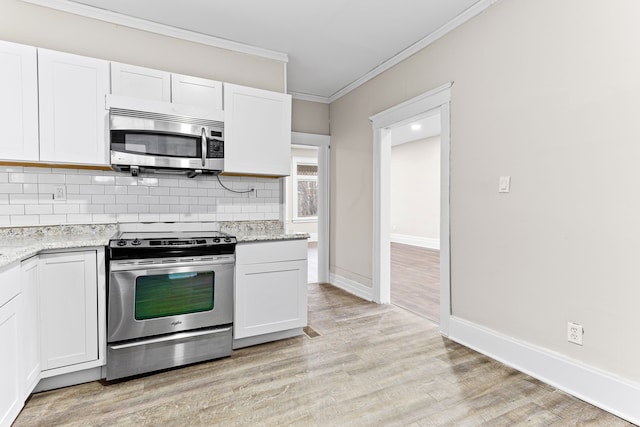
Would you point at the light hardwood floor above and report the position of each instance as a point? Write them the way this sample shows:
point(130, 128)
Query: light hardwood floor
point(415, 280)
point(371, 365)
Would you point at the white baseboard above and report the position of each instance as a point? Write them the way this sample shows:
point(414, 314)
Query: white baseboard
point(351, 286)
point(423, 242)
point(599, 388)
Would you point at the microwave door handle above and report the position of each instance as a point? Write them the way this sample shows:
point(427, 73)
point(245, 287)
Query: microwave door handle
point(204, 146)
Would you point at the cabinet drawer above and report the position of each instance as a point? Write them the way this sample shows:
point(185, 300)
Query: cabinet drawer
point(9, 283)
point(261, 252)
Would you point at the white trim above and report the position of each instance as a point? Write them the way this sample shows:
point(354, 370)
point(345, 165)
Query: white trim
point(323, 143)
point(307, 97)
point(465, 16)
point(153, 27)
point(422, 242)
point(599, 388)
point(437, 98)
point(351, 286)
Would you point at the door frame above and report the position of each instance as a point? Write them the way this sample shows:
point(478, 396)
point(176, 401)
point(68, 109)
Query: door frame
point(438, 98)
point(322, 142)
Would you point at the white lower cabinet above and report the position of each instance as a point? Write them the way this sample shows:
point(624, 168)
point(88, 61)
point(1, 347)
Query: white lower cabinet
point(30, 320)
point(68, 309)
point(270, 288)
point(11, 399)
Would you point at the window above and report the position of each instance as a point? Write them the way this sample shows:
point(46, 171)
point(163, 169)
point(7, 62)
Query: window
point(305, 190)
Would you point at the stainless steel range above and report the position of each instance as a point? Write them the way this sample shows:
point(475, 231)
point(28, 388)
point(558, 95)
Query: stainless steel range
point(170, 300)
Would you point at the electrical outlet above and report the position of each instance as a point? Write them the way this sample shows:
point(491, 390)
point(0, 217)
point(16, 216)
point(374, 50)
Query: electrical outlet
point(574, 333)
point(60, 192)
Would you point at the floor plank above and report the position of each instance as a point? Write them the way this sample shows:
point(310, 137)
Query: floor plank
point(370, 365)
point(415, 280)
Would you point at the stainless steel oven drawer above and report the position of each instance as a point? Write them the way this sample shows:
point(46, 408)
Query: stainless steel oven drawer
point(155, 353)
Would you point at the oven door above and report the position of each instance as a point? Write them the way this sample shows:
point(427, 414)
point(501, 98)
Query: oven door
point(160, 298)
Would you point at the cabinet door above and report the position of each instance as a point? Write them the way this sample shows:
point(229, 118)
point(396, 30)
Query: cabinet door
point(73, 118)
point(257, 131)
point(270, 297)
point(30, 320)
point(10, 366)
point(69, 308)
point(19, 102)
point(196, 92)
point(140, 82)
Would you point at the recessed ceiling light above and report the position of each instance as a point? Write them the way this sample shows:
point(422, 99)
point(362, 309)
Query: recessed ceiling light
point(416, 126)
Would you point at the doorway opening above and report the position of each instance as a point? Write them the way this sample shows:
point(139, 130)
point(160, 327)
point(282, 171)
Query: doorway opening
point(415, 215)
point(307, 200)
point(435, 100)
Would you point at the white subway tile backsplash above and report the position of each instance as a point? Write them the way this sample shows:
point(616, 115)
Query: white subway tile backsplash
point(159, 191)
point(19, 220)
point(52, 219)
point(26, 197)
point(115, 209)
point(79, 218)
point(66, 209)
point(104, 218)
point(92, 189)
point(51, 178)
point(115, 189)
point(126, 180)
point(10, 188)
point(103, 180)
point(139, 189)
point(79, 179)
point(149, 217)
point(127, 217)
point(126, 199)
point(99, 199)
point(11, 209)
point(23, 199)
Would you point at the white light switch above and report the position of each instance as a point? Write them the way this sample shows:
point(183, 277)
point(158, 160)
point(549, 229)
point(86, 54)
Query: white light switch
point(505, 184)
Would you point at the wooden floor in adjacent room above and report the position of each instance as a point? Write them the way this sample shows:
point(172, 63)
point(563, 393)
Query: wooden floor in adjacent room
point(415, 280)
point(371, 365)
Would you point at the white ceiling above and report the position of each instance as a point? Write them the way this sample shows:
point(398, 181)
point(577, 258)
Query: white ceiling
point(417, 128)
point(330, 44)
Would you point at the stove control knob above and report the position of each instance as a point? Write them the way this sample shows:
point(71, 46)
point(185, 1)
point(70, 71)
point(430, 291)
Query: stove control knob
point(216, 240)
point(227, 239)
point(121, 242)
point(136, 242)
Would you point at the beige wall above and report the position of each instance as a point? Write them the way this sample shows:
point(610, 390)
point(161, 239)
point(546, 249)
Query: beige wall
point(310, 117)
point(47, 28)
point(415, 188)
point(548, 92)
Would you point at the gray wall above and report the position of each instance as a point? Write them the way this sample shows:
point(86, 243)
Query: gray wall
point(548, 92)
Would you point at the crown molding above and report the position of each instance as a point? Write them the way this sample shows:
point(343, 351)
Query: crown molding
point(307, 97)
point(469, 13)
point(153, 27)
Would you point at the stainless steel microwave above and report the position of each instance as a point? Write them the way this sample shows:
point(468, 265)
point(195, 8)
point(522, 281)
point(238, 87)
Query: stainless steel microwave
point(157, 141)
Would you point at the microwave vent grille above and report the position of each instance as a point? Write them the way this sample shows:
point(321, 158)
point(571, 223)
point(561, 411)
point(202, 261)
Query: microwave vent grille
point(166, 117)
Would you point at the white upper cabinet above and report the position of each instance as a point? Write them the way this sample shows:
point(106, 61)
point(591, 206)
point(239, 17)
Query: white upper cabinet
point(257, 131)
point(73, 118)
point(19, 102)
point(197, 92)
point(140, 82)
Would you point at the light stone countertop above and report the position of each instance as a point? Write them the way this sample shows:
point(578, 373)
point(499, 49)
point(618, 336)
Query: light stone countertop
point(19, 243)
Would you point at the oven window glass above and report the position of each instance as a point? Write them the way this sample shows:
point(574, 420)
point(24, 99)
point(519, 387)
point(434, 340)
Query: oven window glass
point(156, 144)
point(173, 294)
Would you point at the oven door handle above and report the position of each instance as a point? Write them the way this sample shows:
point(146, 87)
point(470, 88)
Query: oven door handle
point(129, 266)
point(173, 337)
